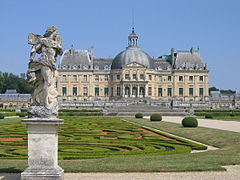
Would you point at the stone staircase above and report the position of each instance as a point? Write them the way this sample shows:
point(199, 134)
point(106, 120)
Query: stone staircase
point(145, 109)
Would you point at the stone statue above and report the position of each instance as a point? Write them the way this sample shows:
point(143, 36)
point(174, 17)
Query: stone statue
point(42, 72)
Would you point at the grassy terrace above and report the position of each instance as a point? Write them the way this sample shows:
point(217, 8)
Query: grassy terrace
point(128, 147)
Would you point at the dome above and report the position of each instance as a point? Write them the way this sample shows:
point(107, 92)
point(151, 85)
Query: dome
point(132, 54)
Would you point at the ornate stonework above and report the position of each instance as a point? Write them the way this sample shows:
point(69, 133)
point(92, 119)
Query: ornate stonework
point(42, 72)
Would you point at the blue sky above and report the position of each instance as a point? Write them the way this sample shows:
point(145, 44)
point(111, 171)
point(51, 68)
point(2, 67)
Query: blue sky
point(211, 25)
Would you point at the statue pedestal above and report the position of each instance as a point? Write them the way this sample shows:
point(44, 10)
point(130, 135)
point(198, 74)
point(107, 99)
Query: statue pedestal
point(42, 149)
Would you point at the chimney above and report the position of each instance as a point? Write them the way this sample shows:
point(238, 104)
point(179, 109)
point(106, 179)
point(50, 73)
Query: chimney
point(172, 55)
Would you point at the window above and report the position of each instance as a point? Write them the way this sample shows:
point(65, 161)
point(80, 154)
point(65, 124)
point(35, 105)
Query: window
point(160, 78)
point(141, 76)
point(105, 91)
point(85, 91)
point(96, 77)
point(106, 67)
point(149, 91)
point(85, 78)
point(118, 91)
point(169, 91)
point(106, 77)
point(169, 78)
point(118, 77)
point(200, 91)
point(200, 78)
point(150, 77)
point(134, 76)
point(190, 91)
point(64, 91)
point(159, 91)
point(190, 78)
point(97, 91)
point(64, 77)
point(127, 76)
point(74, 91)
point(180, 78)
point(96, 67)
point(180, 91)
point(74, 77)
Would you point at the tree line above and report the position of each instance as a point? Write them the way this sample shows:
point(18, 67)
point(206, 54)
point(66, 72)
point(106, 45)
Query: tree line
point(229, 91)
point(11, 81)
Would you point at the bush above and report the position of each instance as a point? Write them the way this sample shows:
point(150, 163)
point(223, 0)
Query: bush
point(1, 116)
point(189, 122)
point(138, 115)
point(156, 117)
point(208, 116)
point(21, 114)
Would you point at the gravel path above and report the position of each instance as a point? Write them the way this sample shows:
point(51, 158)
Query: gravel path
point(216, 124)
point(232, 173)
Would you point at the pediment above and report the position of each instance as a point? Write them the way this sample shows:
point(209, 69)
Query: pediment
point(134, 64)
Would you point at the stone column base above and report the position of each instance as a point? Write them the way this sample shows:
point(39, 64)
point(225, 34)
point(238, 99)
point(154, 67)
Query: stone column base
point(42, 149)
point(43, 174)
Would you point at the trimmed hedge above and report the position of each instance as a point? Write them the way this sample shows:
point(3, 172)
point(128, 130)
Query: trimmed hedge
point(1, 116)
point(217, 110)
point(189, 122)
point(138, 115)
point(217, 113)
point(22, 114)
point(79, 110)
point(156, 117)
point(80, 114)
point(208, 116)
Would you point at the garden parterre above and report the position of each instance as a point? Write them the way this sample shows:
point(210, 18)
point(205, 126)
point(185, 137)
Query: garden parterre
point(95, 137)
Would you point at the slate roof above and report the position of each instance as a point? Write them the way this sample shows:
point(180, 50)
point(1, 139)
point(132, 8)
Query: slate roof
point(75, 59)
point(189, 60)
point(102, 63)
point(15, 97)
point(162, 64)
point(132, 54)
point(84, 60)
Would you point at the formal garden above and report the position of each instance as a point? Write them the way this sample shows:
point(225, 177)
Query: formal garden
point(95, 137)
point(99, 143)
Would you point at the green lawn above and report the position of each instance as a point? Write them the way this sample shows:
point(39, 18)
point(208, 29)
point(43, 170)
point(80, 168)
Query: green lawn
point(223, 118)
point(9, 120)
point(228, 142)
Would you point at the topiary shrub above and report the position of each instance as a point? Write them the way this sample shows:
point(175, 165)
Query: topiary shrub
point(138, 115)
point(156, 117)
point(208, 116)
point(21, 114)
point(1, 116)
point(232, 114)
point(189, 122)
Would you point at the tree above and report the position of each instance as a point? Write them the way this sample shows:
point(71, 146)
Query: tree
point(213, 89)
point(11, 81)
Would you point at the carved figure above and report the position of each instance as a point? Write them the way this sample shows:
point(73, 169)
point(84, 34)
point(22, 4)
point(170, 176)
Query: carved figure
point(42, 72)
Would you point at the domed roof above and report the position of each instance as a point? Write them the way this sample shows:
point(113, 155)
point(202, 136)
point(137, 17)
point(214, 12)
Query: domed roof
point(132, 54)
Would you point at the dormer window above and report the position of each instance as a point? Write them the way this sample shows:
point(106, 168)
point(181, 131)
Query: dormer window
point(85, 67)
point(106, 67)
point(96, 67)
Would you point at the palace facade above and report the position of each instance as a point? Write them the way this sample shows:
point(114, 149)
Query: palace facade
point(132, 74)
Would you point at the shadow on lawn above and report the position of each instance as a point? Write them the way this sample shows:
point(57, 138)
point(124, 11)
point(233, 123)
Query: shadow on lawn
point(10, 173)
